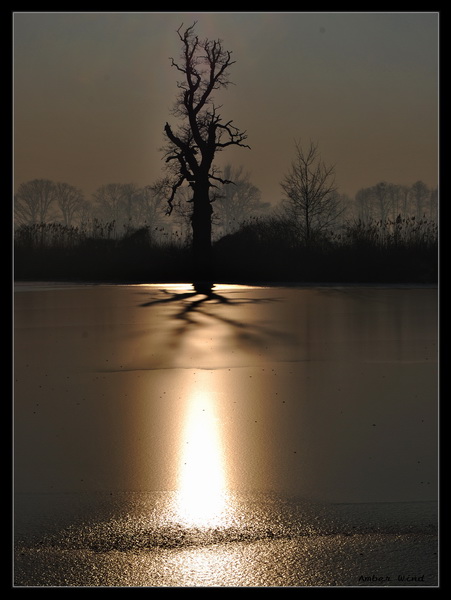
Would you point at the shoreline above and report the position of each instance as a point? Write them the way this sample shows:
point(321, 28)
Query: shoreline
point(258, 284)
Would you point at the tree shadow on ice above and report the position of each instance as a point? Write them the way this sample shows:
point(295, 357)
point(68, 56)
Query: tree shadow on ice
point(199, 308)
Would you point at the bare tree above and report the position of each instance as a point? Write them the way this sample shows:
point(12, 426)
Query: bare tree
point(33, 201)
point(236, 203)
point(404, 191)
point(364, 206)
point(116, 202)
point(202, 133)
point(108, 202)
point(383, 199)
point(311, 198)
point(380, 202)
point(85, 213)
point(150, 210)
point(150, 206)
point(130, 196)
point(70, 201)
point(420, 195)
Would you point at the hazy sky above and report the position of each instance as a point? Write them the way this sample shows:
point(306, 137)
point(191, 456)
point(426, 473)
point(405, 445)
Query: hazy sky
point(92, 92)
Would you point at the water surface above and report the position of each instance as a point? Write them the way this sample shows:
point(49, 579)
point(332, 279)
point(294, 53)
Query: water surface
point(158, 426)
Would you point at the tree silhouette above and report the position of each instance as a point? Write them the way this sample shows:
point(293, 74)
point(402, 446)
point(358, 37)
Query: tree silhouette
point(116, 202)
point(33, 201)
point(311, 198)
point(234, 204)
point(70, 201)
point(388, 200)
point(420, 197)
point(192, 148)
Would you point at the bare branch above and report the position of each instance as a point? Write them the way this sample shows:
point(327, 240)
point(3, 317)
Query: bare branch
point(221, 180)
point(236, 137)
point(174, 189)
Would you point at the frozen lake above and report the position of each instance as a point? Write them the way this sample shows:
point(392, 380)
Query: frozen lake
point(166, 438)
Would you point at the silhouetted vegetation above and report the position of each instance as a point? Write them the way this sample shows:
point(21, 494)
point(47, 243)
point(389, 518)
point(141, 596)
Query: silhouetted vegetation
point(266, 249)
point(403, 250)
point(201, 134)
point(55, 252)
point(311, 198)
point(387, 233)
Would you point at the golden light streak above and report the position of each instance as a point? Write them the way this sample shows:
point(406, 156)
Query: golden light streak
point(201, 499)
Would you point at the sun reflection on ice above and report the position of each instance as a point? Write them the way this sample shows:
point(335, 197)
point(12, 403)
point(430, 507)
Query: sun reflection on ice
point(202, 498)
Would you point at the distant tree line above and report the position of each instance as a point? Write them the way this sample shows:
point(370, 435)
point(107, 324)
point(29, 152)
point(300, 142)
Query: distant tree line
point(387, 201)
point(388, 232)
point(129, 207)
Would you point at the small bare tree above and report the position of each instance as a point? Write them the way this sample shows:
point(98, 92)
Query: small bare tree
point(192, 148)
point(311, 199)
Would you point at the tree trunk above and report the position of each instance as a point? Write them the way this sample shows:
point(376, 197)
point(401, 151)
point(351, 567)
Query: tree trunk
point(201, 224)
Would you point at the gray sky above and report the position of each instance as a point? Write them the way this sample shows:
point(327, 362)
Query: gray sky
point(92, 92)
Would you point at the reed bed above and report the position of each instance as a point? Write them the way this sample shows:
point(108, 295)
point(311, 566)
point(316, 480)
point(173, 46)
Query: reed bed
point(400, 250)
